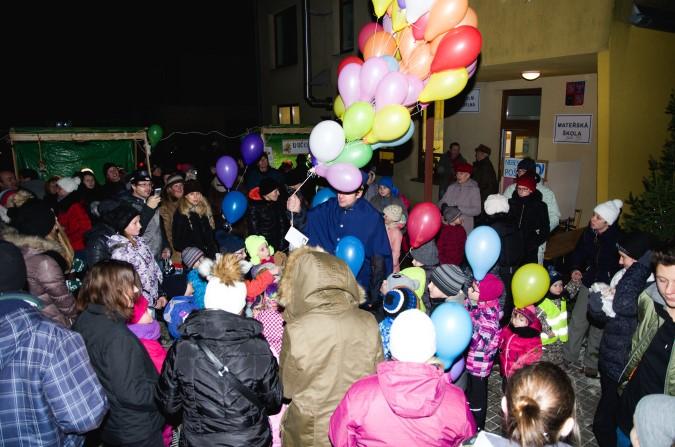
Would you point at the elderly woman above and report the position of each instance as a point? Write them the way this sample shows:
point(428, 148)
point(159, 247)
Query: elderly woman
point(465, 195)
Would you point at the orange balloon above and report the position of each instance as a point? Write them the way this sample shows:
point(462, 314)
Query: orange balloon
point(470, 19)
point(419, 63)
point(407, 43)
point(380, 43)
point(443, 16)
point(434, 43)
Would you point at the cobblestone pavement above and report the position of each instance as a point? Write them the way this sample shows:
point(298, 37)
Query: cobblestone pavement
point(587, 394)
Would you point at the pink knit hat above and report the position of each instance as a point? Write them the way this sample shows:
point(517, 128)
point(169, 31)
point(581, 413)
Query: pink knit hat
point(490, 288)
point(140, 308)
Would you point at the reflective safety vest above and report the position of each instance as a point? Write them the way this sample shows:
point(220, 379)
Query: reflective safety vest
point(556, 320)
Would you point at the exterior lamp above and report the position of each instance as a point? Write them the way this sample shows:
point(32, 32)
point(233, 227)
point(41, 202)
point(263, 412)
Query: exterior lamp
point(530, 75)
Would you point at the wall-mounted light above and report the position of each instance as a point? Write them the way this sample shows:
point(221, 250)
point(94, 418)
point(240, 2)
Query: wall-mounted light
point(530, 75)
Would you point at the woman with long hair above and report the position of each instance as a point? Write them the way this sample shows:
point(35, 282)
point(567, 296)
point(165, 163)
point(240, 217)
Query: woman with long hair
point(122, 365)
point(193, 223)
point(171, 195)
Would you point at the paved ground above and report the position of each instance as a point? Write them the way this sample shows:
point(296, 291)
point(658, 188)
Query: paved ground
point(587, 394)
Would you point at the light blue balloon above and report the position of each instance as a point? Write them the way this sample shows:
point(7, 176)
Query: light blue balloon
point(404, 139)
point(323, 195)
point(482, 250)
point(453, 331)
point(392, 63)
point(234, 206)
point(350, 249)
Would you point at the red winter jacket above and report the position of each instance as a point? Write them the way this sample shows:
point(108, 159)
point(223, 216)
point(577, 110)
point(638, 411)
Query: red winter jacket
point(74, 220)
point(450, 244)
point(520, 346)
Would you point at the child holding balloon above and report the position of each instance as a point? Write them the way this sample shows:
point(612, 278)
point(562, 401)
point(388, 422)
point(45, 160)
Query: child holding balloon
point(520, 342)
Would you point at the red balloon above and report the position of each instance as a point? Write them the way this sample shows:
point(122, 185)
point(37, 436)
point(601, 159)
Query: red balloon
point(459, 48)
point(424, 222)
point(348, 60)
point(420, 26)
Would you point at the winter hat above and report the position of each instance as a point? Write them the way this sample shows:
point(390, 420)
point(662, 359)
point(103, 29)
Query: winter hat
point(490, 288)
point(529, 312)
point(398, 281)
point(484, 149)
point(464, 167)
point(528, 181)
point(229, 243)
point(33, 218)
point(226, 290)
point(397, 301)
point(609, 210)
point(69, 184)
point(176, 178)
point(253, 244)
point(450, 213)
point(389, 183)
point(427, 254)
point(190, 256)
point(13, 271)
point(191, 186)
point(5, 196)
point(295, 176)
point(495, 204)
point(267, 185)
point(412, 337)
point(527, 164)
point(120, 217)
point(106, 167)
point(140, 175)
point(140, 309)
point(553, 275)
point(634, 244)
point(393, 212)
point(449, 279)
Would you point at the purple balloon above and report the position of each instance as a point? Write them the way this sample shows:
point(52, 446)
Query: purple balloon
point(226, 170)
point(372, 72)
point(471, 69)
point(313, 160)
point(252, 147)
point(320, 169)
point(415, 87)
point(457, 369)
point(344, 177)
point(392, 89)
point(349, 84)
point(386, 24)
point(401, 4)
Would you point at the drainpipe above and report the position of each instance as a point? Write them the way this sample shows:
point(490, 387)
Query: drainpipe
point(326, 103)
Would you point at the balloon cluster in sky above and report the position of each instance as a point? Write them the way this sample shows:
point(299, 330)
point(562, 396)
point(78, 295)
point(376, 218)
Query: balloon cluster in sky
point(422, 51)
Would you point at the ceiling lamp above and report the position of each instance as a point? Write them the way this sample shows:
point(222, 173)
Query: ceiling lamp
point(530, 75)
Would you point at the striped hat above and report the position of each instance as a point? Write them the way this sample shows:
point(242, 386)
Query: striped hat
point(190, 256)
point(449, 279)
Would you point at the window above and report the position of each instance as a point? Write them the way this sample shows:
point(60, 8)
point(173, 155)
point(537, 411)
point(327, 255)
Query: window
point(288, 114)
point(286, 38)
point(346, 26)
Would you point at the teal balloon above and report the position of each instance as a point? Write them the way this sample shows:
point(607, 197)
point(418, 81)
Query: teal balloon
point(155, 133)
point(358, 120)
point(392, 63)
point(355, 153)
point(404, 139)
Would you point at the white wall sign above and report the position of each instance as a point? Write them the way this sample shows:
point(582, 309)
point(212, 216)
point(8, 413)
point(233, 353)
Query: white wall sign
point(511, 166)
point(575, 129)
point(295, 146)
point(471, 102)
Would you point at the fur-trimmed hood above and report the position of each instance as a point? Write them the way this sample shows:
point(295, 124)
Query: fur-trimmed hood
point(35, 244)
point(316, 280)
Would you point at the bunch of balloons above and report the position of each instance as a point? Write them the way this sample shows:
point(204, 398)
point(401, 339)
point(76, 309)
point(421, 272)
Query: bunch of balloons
point(424, 50)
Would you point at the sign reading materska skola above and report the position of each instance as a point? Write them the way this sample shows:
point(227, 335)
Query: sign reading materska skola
point(575, 129)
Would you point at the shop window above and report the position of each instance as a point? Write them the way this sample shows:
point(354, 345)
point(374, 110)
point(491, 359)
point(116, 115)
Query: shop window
point(286, 38)
point(288, 114)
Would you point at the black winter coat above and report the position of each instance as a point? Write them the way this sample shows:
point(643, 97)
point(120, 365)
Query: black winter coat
point(511, 238)
point(596, 255)
point(530, 215)
point(215, 414)
point(615, 344)
point(193, 232)
point(96, 241)
point(267, 218)
point(484, 174)
point(127, 374)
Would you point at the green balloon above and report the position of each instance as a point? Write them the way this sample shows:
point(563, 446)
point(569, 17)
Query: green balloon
point(155, 133)
point(357, 120)
point(355, 153)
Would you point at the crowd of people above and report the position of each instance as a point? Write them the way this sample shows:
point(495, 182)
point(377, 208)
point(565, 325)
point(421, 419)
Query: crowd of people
point(133, 313)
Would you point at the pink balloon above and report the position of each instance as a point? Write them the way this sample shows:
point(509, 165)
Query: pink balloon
point(349, 84)
point(368, 30)
point(392, 89)
point(372, 72)
point(386, 24)
point(344, 177)
point(321, 170)
point(471, 69)
point(420, 26)
point(415, 87)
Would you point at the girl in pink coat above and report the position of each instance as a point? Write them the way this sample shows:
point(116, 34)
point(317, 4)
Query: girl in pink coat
point(409, 401)
point(520, 343)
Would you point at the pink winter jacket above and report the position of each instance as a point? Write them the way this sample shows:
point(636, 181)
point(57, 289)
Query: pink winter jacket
point(404, 404)
point(519, 347)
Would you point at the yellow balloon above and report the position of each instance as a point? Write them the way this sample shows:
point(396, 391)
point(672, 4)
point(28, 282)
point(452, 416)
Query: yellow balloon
point(398, 21)
point(391, 122)
point(370, 137)
point(444, 85)
point(529, 284)
point(381, 7)
point(339, 107)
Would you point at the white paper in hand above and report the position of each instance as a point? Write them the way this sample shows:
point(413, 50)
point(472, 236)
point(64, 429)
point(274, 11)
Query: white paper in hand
point(295, 238)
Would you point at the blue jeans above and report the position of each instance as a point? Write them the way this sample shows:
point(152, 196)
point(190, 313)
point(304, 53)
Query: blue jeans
point(622, 440)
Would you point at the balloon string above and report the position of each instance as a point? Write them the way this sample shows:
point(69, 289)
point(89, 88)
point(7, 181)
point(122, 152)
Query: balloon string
point(243, 174)
point(404, 257)
point(309, 175)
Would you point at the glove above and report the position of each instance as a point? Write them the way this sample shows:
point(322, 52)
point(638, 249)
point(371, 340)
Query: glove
point(646, 259)
point(594, 302)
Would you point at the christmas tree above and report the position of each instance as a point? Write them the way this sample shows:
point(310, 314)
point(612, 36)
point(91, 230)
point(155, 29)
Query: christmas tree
point(653, 211)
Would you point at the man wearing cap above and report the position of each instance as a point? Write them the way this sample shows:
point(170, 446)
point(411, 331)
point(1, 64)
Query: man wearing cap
point(114, 186)
point(146, 203)
point(49, 392)
point(528, 165)
point(465, 195)
point(484, 173)
point(172, 193)
point(446, 167)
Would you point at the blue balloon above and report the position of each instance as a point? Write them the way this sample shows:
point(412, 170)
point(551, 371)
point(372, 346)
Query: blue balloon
point(323, 195)
point(350, 249)
point(404, 139)
point(482, 250)
point(392, 63)
point(453, 331)
point(234, 206)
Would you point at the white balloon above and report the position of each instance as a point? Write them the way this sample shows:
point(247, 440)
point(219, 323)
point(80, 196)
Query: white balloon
point(414, 9)
point(327, 140)
point(412, 337)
